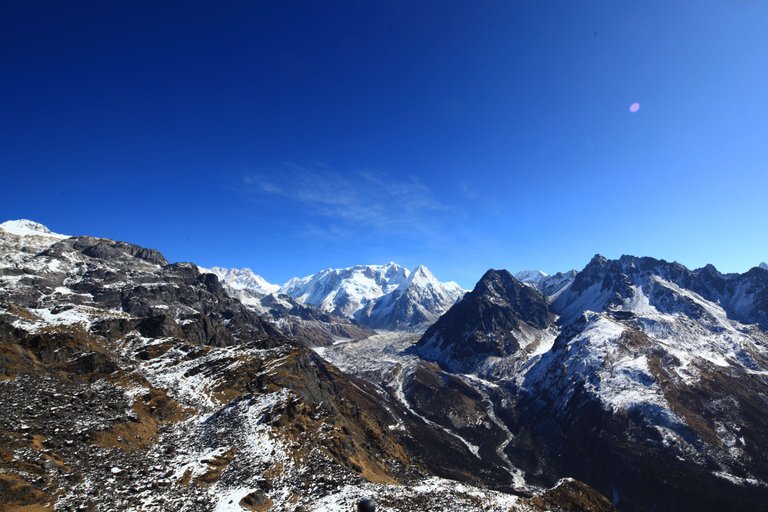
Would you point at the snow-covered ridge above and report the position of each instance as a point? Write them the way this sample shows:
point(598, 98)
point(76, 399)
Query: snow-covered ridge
point(532, 277)
point(374, 296)
point(25, 227)
point(764, 265)
point(382, 295)
point(242, 279)
point(550, 285)
point(346, 289)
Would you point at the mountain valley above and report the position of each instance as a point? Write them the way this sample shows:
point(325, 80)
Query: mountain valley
point(129, 382)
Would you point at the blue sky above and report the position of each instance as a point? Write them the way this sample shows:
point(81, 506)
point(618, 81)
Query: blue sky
point(291, 137)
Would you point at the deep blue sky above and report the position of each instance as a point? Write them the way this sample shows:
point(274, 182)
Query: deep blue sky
point(291, 137)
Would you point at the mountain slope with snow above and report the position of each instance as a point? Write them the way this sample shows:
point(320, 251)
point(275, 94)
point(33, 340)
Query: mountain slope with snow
point(550, 285)
point(656, 382)
point(24, 227)
point(380, 296)
point(241, 279)
point(131, 383)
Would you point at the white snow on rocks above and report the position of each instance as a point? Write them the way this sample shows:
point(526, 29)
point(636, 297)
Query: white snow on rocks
point(24, 227)
point(430, 494)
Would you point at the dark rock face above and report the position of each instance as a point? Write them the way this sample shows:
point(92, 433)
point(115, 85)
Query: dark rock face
point(485, 321)
point(109, 249)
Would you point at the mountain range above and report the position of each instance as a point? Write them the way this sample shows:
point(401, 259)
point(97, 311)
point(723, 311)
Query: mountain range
point(138, 384)
point(377, 296)
point(643, 378)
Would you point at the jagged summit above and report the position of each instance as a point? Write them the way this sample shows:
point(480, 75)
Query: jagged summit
point(493, 320)
point(25, 227)
point(532, 277)
point(380, 296)
point(422, 275)
point(242, 279)
point(609, 284)
point(550, 285)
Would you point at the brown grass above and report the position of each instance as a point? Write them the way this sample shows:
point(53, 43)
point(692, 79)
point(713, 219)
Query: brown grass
point(21, 312)
point(217, 464)
point(16, 495)
point(152, 409)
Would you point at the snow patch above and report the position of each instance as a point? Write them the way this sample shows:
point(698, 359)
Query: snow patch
point(24, 227)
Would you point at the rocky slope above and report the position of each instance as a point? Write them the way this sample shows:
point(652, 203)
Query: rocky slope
point(128, 383)
point(654, 391)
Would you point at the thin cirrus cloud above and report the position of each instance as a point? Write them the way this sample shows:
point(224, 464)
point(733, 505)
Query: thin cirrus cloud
point(347, 204)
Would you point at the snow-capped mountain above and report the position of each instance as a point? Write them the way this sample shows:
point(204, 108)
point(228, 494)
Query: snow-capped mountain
point(242, 279)
point(764, 265)
point(550, 285)
point(306, 323)
point(346, 291)
point(380, 296)
point(344, 303)
point(23, 227)
point(656, 370)
point(645, 379)
point(130, 383)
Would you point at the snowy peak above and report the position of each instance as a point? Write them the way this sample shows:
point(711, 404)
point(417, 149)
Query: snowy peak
point(242, 279)
point(25, 227)
point(533, 277)
point(384, 296)
point(550, 285)
point(421, 276)
point(763, 265)
point(345, 291)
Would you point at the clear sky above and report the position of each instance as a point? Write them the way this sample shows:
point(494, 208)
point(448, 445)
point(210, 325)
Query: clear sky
point(295, 136)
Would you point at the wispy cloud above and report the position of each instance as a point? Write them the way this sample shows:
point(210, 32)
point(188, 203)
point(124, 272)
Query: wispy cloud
point(345, 204)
